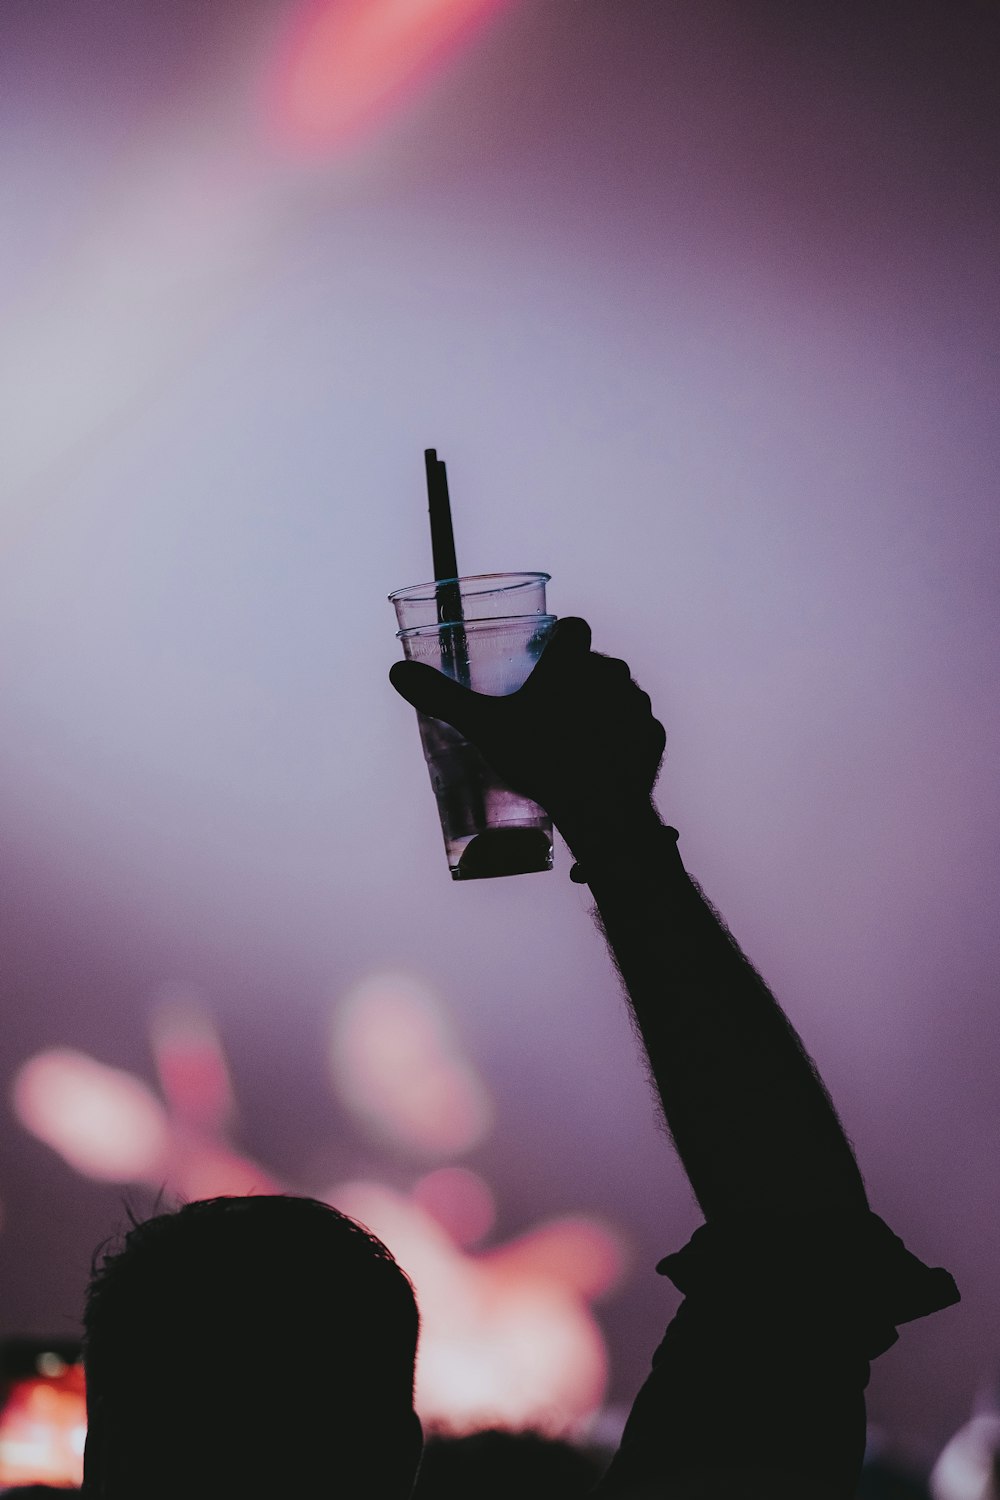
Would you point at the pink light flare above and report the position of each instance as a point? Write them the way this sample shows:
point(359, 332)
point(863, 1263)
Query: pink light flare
point(346, 64)
point(110, 1126)
point(43, 1428)
point(190, 1063)
point(397, 1066)
point(507, 1337)
point(104, 1122)
point(194, 1076)
point(580, 1251)
point(461, 1201)
point(966, 1467)
point(200, 1167)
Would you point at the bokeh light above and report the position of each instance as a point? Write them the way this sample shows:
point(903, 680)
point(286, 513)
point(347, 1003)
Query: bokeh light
point(346, 63)
point(396, 1066)
point(190, 1063)
point(103, 1121)
point(967, 1468)
point(507, 1337)
point(43, 1428)
point(461, 1201)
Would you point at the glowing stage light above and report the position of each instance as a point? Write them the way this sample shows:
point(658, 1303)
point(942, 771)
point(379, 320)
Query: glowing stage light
point(967, 1466)
point(397, 1067)
point(109, 1125)
point(507, 1337)
point(43, 1430)
point(201, 1167)
point(582, 1253)
point(347, 62)
point(461, 1201)
point(104, 1122)
point(190, 1063)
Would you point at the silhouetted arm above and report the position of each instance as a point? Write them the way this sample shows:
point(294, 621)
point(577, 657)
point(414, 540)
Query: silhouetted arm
point(750, 1118)
point(747, 1111)
point(792, 1286)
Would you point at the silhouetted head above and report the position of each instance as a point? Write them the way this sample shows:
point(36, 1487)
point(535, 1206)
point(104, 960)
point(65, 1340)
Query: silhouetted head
point(500, 1465)
point(39, 1492)
point(250, 1346)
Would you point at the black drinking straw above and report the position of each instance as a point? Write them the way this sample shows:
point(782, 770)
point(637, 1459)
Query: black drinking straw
point(447, 592)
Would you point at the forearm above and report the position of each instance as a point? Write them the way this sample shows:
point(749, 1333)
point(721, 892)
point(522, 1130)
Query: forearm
point(750, 1118)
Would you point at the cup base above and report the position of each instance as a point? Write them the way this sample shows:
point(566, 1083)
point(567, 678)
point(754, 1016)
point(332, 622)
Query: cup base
point(502, 851)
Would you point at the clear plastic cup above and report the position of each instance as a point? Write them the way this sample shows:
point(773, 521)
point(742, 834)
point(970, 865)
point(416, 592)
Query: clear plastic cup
point(486, 632)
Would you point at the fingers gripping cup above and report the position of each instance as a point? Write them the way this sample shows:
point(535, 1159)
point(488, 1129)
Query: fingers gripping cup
point(486, 632)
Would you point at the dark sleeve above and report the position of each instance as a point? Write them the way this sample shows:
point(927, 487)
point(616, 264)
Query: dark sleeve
point(758, 1385)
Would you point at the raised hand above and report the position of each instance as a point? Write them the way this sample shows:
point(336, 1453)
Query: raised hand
point(578, 733)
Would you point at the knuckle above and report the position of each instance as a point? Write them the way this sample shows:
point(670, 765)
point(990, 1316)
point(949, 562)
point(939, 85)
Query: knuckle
point(614, 665)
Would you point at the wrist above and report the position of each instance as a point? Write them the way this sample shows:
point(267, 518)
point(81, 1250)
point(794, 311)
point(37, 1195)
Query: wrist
point(616, 832)
point(648, 864)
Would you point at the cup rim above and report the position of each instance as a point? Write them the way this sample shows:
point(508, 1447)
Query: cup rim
point(470, 624)
point(519, 581)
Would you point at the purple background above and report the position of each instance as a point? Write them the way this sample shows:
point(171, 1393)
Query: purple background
point(699, 303)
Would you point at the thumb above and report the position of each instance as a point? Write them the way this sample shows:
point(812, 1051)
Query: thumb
point(568, 644)
point(434, 694)
point(571, 636)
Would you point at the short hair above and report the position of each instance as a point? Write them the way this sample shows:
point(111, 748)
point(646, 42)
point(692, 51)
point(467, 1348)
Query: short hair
point(496, 1464)
point(236, 1316)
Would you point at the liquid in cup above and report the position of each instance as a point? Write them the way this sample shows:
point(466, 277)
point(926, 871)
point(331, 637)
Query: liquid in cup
point(488, 828)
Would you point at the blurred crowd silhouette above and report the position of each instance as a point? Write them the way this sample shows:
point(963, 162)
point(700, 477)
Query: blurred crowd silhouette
point(497, 1464)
